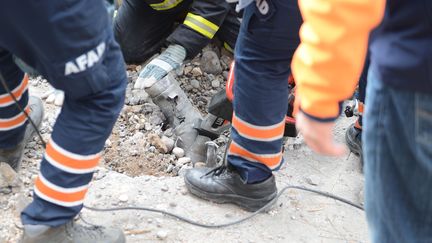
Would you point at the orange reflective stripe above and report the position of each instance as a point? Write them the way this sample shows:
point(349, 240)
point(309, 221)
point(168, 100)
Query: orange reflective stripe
point(230, 83)
point(261, 133)
point(14, 122)
point(271, 160)
point(360, 107)
point(70, 162)
point(58, 196)
point(289, 119)
point(6, 99)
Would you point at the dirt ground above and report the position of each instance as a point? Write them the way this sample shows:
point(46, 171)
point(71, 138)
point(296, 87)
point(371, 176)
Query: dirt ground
point(141, 178)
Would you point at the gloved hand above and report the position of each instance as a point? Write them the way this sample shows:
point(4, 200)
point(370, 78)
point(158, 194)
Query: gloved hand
point(159, 67)
point(54, 96)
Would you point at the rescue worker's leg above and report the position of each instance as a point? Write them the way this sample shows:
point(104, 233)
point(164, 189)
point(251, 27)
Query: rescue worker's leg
point(71, 44)
point(354, 132)
point(398, 162)
point(140, 30)
point(15, 131)
point(263, 55)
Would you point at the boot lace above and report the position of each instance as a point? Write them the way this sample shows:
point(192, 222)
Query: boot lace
point(224, 168)
point(217, 171)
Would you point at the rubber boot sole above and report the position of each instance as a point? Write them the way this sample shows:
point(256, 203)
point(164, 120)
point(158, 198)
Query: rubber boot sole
point(249, 204)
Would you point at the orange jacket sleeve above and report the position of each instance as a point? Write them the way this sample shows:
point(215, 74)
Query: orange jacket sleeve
point(328, 62)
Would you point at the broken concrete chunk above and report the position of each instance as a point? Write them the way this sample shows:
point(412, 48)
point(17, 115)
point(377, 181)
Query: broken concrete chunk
point(8, 176)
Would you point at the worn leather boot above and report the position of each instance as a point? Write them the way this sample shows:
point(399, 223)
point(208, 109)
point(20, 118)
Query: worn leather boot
point(224, 185)
point(353, 139)
point(14, 155)
point(180, 114)
point(71, 233)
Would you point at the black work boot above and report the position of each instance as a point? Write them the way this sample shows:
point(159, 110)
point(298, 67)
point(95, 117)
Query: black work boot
point(14, 155)
point(71, 233)
point(353, 140)
point(224, 185)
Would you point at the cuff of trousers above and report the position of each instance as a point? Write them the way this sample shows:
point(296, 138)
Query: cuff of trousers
point(251, 172)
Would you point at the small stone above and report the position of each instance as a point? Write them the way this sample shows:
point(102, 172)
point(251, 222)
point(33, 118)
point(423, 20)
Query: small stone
point(210, 63)
point(164, 188)
point(312, 180)
point(168, 132)
point(226, 60)
point(173, 204)
point(155, 119)
point(8, 176)
point(184, 160)
point(169, 168)
point(123, 198)
point(195, 84)
point(162, 234)
point(108, 143)
point(137, 127)
point(168, 142)
point(187, 70)
point(225, 75)
point(136, 97)
point(199, 165)
point(178, 152)
point(215, 83)
point(148, 126)
point(156, 141)
point(293, 217)
point(196, 71)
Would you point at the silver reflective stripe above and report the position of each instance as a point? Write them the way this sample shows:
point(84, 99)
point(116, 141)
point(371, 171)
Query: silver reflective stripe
point(201, 25)
point(166, 4)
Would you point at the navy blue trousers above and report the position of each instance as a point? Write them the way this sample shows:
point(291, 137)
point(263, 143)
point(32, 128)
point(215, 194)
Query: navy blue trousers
point(268, 37)
point(71, 44)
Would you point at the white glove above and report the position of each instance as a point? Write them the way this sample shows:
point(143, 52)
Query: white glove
point(54, 96)
point(159, 67)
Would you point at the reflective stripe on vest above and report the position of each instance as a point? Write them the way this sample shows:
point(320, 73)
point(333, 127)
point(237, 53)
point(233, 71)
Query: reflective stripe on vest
point(166, 4)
